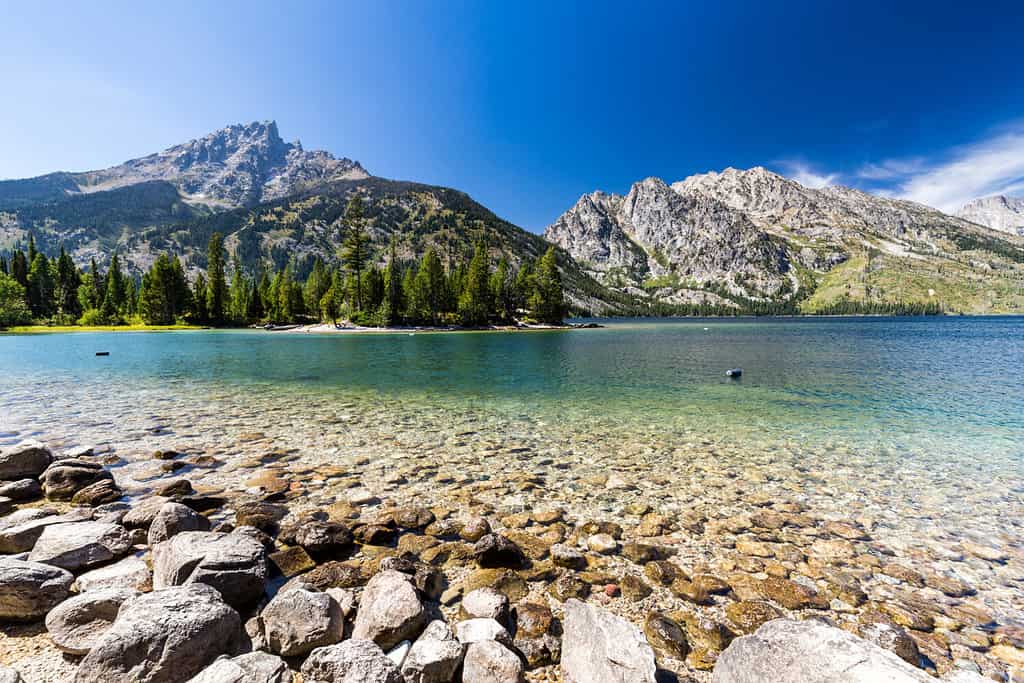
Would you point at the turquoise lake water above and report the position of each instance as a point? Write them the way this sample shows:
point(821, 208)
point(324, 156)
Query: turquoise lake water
point(951, 387)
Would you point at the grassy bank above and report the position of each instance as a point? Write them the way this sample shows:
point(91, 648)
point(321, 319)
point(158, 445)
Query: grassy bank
point(45, 329)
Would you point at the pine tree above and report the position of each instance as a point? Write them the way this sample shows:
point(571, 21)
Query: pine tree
point(239, 294)
point(330, 302)
point(355, 250)
point(411, 305)
point(199, 289)
point(19, 268)
point(475, 299)
point(67, 284)
point(373, 288)
point(548, 301)
point(255, 311)
point(114, 296)
point(156, 298)
point(503, 291)
point(523, 288)
point(216, 285)
point(317, 284)
point(31, 248)
point(429, 288)
point(392, 304)
point(3, 265)
point(180, 293)
point(41, 287)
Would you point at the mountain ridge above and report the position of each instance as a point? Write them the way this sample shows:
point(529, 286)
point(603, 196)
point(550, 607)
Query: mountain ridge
point(999, 212)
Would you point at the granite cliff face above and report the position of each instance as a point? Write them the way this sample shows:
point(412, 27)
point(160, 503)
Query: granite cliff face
point(739, 236)
point(1005, 214)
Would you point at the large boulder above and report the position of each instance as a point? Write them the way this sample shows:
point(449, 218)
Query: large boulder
point(20, 530)
point(77, 624)
point(130, 572)
point(28, 590)
point(144, 512)
point(235, 564)
point(99, 493)
point(390, 610)
point(26, 459)
point(252, 667)
point(434, 657)
point(173, 518)
point(787, 651)
point(162, 637)
point(353, 661)
point(299, 621)
point(488, 661)
point(64, 478)
point(599, 646)
point(77, 545)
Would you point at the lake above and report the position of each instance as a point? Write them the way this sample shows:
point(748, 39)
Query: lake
point(914, 427)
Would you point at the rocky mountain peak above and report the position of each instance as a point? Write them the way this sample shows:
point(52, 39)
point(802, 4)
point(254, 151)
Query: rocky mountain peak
point(238, 165)
point(998, 212)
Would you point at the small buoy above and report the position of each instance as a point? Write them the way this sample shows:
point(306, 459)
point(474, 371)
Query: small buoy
point(705, 329)
point(735, 372)
point(103, 353)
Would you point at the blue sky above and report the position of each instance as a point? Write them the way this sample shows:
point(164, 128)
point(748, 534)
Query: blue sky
point(526, 105)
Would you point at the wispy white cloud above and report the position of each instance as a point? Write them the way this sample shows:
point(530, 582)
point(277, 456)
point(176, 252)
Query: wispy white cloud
point(806, 175)
point(994, 165)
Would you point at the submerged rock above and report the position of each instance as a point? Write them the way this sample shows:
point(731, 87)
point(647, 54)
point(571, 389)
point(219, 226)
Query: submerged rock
point(64, 478)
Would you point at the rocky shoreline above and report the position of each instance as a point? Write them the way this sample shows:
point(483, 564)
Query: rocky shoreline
point(184, 578)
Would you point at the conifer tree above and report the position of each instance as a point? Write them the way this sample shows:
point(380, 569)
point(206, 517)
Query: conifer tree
point(114, 296)
point(3, 265)
point(216, 285)
point(392, 304)
point(411, 305)
point(32, 252)
point(19, 268)
point(181, 294)
point(41, 287)
point(503, 291)
point(355, 250)
point(429, 288)
point(548, 301)
point(239, 294)
point(317, 284)
point(373, 288)
point(199, 289)
point(475, 299)
point(67, 283)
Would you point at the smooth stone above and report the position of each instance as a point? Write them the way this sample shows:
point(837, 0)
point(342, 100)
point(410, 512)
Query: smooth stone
point(25, 459)
point(787, 651)
point(234, 564)
point(488, 661)
point(666, 636)
point(21, 490)
point(486, 603)
point(475, 630)
point(173, 518)
point(142, 513)
point(434, 657)
point(298, 621)
point(161, 637)
point(129, 572)
point(28, 590)
point(252, 667)
point(79, 545)
point(64, 478)
point(98, 493)
point(599, 646)
point(353, 661)
point(77, 624)
point(604, 544)
point(20, 530)
point(390, 610)
point(291, 561)
point(566, 556)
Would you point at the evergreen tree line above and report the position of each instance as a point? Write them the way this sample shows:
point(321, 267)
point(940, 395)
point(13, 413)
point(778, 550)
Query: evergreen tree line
point(472, 293)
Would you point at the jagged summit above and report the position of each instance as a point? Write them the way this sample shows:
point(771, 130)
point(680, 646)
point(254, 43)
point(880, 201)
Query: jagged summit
point(239, 165)
point(998, 212)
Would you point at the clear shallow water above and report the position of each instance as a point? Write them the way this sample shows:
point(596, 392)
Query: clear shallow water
point(944, 388)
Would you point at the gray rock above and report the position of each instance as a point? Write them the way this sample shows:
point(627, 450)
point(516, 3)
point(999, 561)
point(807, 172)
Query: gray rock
point(965, 676)
point(434, 657)
point(398, 652)
point(787, 651)
point(173, 518)
point(491, 662)
point(390, 610)
point(353, 661)
point(298, 621)
point(252, 667)
point(26, 459)
point(20, 530)
point(23, 489)
point(28, 590)
point(495, 550)
point(77, 624)
point(476, 630)
point(486, 603)
point(9, 675)
point(234, 564)
point(98, 493)
point(163, 637)
point(64, 478)
point(130, 572)
point(599, 646)
point(143, 512)
point(78, 545)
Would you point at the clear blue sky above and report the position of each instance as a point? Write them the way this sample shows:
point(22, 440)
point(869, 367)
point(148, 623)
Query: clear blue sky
point(525, 105)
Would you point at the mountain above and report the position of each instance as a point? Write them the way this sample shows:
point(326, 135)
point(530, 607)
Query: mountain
point(1005, 214)
point(241, 165)
point(753, 239)
point(274, 202)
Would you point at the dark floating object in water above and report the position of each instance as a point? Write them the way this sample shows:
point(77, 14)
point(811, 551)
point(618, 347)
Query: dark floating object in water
point(103, 353)
point(735, 372)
